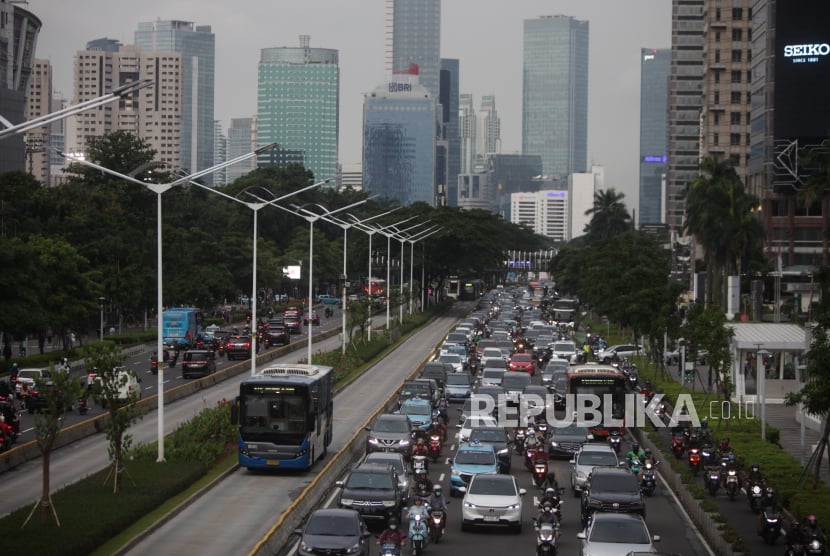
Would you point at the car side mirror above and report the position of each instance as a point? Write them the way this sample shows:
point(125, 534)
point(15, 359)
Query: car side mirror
point(522, 491)
point(572, 461)
point(462, 489)
point(339, 484)
point(581, 535)
point(656, 538)
point(297, 532)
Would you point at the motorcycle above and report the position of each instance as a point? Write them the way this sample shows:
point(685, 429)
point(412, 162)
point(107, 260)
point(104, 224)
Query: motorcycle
point(648, 482)
point(540, 472)
point(771, 528)
point(731, 485)
point(814, 545)
point(419, 463)
point(389, 549)
point(435, 447)
point(754, 494)
point(706, 455)
point(519, 440)
point(634, 465)
point(546, 536)
point(678, 445)
point(542, 428)
point(418, 534)
point(436, 525)
point(694, 460)
point(534, 454)
point(614, 440)
point(82, 406)
point(154, 365)
point(713, 480)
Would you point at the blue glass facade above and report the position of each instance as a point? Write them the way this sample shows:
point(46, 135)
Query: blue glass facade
point(655, 66)
point(399, 142)
point(197, 44)
point(449, 126)
point(555, 94)
point(416, 38)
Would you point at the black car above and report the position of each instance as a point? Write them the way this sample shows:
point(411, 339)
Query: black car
point(333, 531)
point(276, 334)
point(438, 371)
point(612, 489)
point(498, 439)
point(375, 491)
point(292, 321)
point(238, 347)
point(198, 362)
point(416, 389)
point(566, 441)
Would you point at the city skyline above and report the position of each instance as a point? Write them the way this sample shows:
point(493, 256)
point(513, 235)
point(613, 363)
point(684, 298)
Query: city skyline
point(487, 66)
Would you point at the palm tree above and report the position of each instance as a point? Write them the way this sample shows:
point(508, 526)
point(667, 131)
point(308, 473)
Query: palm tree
point(609, 216)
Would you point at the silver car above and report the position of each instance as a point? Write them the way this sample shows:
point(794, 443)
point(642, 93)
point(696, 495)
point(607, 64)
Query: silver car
point(586, 458)
point(613, 534)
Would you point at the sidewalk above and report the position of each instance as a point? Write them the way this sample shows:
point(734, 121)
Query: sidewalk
point(783, 418)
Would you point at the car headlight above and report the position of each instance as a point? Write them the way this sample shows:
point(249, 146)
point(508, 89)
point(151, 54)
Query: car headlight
point(456, 472)
point(304, 546)
point(403, 442)
point(580, 475)
point(554, 444)
point(514, 506)
point(354, 549)
point(389, 503)
point(346, 501)
point(373, 441)
point(470, 506)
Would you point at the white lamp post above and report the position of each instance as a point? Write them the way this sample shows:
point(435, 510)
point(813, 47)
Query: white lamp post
point(159, 189)
point(395, 232)
point(413, 239)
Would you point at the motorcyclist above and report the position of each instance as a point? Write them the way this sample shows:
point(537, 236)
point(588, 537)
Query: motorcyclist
point(438, 502)
point(422, 485)
point(730, 463)
point(704, 432)
point(531, 439)
point(648, 457)
point(812, 530)
point(436, 428)
point(724, 448)
point(417, 508)
point(546, 515)
point(551, 496)
point(767, 504)
point(420, 448)
point(795, 534)
point(442, 407)
point(392, 535)
point(635, 453)
point(754, 475)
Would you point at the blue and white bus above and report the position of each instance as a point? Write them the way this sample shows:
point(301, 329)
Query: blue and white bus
point(285, 415)
point(181, 326)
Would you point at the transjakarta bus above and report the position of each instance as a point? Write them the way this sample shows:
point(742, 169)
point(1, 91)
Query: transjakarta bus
point(284, 413)
point(601, 381)
point(181, 326)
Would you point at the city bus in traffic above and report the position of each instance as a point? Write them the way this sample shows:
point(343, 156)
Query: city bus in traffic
point(181, 326)
point(609, 385)
point(285, 416)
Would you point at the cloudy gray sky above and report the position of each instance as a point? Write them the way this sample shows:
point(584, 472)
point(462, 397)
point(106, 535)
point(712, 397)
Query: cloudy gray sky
point(485, 35)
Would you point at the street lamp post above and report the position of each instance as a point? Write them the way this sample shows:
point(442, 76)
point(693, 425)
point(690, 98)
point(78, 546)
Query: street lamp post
point(101, 330)
point(159, 189)
point(396, 233)
point(413, 239)
point(761, 373)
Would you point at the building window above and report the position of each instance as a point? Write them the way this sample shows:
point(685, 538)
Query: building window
point(736, 97)
point(717, 97)
point(737, 13)
point(736, 76)
point(735, 118)
point(717, 14)
point(737, 34)
point(715, 139)
point(716, 118)
point(737, 55)
point(734, 139)
point(717, 76)
point(717, 56)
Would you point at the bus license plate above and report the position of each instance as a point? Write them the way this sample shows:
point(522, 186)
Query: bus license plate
point(274, 462)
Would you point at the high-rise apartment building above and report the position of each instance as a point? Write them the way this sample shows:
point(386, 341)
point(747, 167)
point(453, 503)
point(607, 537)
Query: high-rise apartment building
point(241, 140)
point(555, 94)
point(399, 141)
point(467, 132)
point(448, 100)
point(39, 103)
point(488, 127)
point(298, 97)
point(196, 46)
point(153, 114)
point(685, 105)
point(655, 65)
point(413, 31)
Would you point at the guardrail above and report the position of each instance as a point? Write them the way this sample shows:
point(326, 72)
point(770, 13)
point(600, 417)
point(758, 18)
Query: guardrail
point(29, 451)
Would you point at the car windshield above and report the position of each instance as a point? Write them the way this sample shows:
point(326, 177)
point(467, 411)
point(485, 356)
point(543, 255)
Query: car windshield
point(369, 480)
point(492, 485)
point(522, 358)
point(516, 380)
point(458, 380)
point(493, 375)
point(572, 429)
point(380, 457)
point(619, 531)
point(414, 388)
point(415, 409)
point(615, 483)
point(474, 457)
point(487, 435)
point(491, 352)
point(332, 525)
point(391, 425)
point(450, 358)
point(597, 459)
point(563, 347)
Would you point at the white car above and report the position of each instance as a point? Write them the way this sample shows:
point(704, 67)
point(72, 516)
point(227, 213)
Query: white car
point(492, 500)
point(565, 349)
point(27, 377)
point(613, 534)
point(494, 354)
point(475, 421)
point(622, 350)
point(453, 359)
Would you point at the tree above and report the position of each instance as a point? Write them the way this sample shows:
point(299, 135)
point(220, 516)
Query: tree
point(609, 217)
point(60, 392)
point(111, 378)
point(706, 329)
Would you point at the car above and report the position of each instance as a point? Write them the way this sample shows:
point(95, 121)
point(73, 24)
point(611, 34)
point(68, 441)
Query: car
point(419, 412)
point(437, 371)
point(621, 350)
point(472, 422)
point(586, 459)
point(35, 398)
point(612, 534)
point(514, 384)
point(565, 441)
point(458, 337)
point(238, 347)
point(611, 489)
point(469, 460)
point(453, 359)
point(499, 364)
point(565, 349)
point(375, 491)
point(26, 378)
point(334, 531)
point(522, 362)
point(315, 318)
point(292, 321)
point(390, 433)
point(458, 387)
point(554, 368)
point(533, 395)
point(398, 463)
point(491, 377)
point(328, 299)
point(125, 379)
point(276, 334)
point(198, 362)
point(492, 353)
point(496, 437)
point(492, 500)
point(559, 389)
point(416, 389)
point(493, 393)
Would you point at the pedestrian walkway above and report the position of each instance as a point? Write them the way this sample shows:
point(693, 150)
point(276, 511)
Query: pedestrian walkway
point(783, 418)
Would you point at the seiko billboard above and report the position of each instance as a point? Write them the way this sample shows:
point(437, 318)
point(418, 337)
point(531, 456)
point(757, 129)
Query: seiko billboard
point(806, 50)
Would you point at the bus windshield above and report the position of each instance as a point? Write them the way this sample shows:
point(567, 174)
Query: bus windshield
point(271, 412)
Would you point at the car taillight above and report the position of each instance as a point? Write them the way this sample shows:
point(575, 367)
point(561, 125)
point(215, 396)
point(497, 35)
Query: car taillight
point(247, 344)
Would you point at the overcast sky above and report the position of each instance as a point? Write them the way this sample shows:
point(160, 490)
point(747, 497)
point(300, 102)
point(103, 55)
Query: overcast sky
point(485, 35)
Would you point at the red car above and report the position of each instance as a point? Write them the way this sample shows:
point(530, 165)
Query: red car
point(522, 362)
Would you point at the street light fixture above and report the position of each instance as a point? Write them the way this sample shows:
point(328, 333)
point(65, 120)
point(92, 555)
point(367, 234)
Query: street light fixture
point(159, 189)
point(312, 217)
point(101, 304)
point(413, 239)
point(396, 231)
point(761, 373)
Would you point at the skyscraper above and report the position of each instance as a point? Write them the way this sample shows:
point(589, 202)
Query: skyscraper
point(685, 104)
point(197, 46)
point(399, 141)
point(488, 128)
point(414, 27)
point(654, 105)
point(298, 107)
point(241, 140)
point(555, 94)
point(449, 126)
point(467, 132)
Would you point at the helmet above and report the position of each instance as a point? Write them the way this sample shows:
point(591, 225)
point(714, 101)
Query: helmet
point(550, 491)
point(795, 525)
point(393, 523)
point(755, 468)
point(420, 441)
point(15, 366)
point(418, 500)
point(635, 447)
point(648, 452)
point(812, 521)
point(770, 492)
point(725, 441)
point(704, 422)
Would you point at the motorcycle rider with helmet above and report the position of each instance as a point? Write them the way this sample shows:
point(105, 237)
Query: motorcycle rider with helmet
point(546, 515)
point(767, 504)
point(795, 535)
point(812, 530)
point(724, 448)
point(754, 475)
point(422, 485)
point(392, 535)
point(435, 428)
point(438, 502)
point(418, 508)
point(635, 453)
point(420, 448)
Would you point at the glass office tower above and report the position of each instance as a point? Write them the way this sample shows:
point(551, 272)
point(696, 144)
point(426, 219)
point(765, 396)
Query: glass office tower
point(655, 65)
point(416, 39)
point(555, 94)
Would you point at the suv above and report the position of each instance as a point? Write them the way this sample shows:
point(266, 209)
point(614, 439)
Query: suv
point(375, 491)
point(586, 459)
point(27, 377)
point(398, 463)
point(459, 386)
point(276, 334)
point(437, 371)
point(292, 321)
point(238, 347)
point(622, 350)
point(198, 361)
point(390, 433)
point(612, 490)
